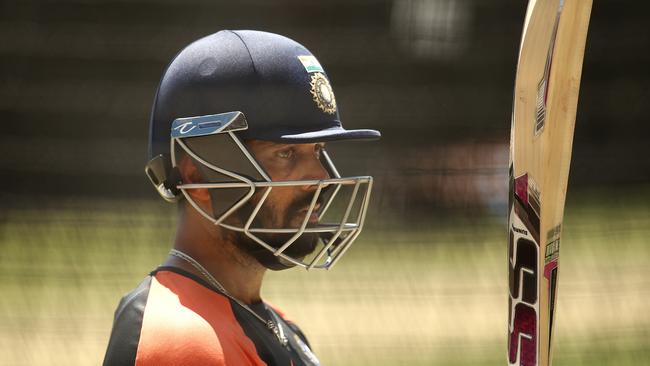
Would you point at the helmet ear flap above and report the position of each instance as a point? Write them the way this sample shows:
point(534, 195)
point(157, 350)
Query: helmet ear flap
point(221, 199)
point(163, 177)
point(218, 160)
point(222, 151)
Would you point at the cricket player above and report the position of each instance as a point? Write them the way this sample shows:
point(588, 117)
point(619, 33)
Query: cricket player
point(237, 139)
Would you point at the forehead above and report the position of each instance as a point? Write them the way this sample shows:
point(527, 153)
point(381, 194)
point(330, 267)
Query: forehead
point(261, 145)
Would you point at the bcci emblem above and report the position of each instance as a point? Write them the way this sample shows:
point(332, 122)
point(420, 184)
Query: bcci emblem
point(322, 93)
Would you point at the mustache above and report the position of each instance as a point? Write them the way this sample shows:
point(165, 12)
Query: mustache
point(293, 210)
point(305, 201)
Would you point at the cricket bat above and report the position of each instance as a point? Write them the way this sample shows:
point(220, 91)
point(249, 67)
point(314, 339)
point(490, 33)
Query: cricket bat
point(543, 117)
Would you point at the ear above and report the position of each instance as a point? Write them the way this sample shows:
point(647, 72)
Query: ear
point(190, 174)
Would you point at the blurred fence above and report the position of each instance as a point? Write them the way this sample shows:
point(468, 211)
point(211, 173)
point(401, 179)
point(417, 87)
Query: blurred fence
point(77, 80)
point(408, 293)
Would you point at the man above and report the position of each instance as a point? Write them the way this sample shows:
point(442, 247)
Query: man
point(237, 138)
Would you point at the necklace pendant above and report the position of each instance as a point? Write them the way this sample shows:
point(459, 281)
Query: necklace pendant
point(278, 334)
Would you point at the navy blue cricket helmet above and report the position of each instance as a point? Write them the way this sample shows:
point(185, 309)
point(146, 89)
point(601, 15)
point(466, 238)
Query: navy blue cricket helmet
point(274, 81)
point(243, 85)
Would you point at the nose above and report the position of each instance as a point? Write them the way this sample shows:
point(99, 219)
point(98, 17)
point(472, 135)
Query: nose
point(314, 170)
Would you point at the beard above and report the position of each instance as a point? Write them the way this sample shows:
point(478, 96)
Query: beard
point(303, 246)
point(299, 249)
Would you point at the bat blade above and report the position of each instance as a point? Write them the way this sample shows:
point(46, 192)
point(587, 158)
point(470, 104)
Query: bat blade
point(543, 118)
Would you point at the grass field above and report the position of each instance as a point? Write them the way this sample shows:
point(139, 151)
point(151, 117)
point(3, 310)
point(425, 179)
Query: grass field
point(431, 294)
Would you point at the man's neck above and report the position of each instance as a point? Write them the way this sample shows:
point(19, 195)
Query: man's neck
point(239, 273)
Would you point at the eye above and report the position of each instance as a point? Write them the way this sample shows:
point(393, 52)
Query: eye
point(285, 153)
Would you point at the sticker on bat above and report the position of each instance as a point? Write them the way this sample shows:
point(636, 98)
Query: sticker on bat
point(542, 86)
point(523, 272)
point(551, 256)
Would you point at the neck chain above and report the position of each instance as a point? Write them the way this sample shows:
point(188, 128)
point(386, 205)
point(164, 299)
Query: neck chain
point(270, 324)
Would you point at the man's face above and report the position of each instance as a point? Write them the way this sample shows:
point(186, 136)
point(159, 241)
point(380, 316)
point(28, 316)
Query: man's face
point(285, 207)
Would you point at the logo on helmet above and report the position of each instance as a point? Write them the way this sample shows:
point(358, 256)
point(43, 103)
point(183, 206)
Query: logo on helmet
point(322, 93)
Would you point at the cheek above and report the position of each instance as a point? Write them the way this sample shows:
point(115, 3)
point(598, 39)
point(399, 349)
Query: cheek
point(280, 174)
point(281, 170)
point(279, 201)
point(275, 207)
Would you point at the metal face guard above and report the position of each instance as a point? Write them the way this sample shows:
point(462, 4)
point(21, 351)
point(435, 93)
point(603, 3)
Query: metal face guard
point(336, 236)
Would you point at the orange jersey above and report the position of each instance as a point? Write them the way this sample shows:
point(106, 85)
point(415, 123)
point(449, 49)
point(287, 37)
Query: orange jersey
point(176, 318)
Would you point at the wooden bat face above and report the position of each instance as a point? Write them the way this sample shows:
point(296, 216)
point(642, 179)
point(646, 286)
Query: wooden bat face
point(544, 110)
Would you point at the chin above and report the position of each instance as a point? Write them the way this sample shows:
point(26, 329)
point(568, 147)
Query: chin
point(305, 245)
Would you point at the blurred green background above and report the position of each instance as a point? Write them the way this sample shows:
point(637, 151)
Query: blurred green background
point(435, 294)
point(426, 282)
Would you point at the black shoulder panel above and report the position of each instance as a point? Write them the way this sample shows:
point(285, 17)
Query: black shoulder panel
point(298, 331)
point(123, 344)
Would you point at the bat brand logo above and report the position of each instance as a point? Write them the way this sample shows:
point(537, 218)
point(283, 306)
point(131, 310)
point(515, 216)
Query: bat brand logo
point(518, 230)
point(523, 300)
point(523, 275)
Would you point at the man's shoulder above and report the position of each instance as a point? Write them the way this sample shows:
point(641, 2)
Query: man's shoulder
point(127, 323)
point(190, 303)
point(181, 308)
point(133, 302)
point(177, 320)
